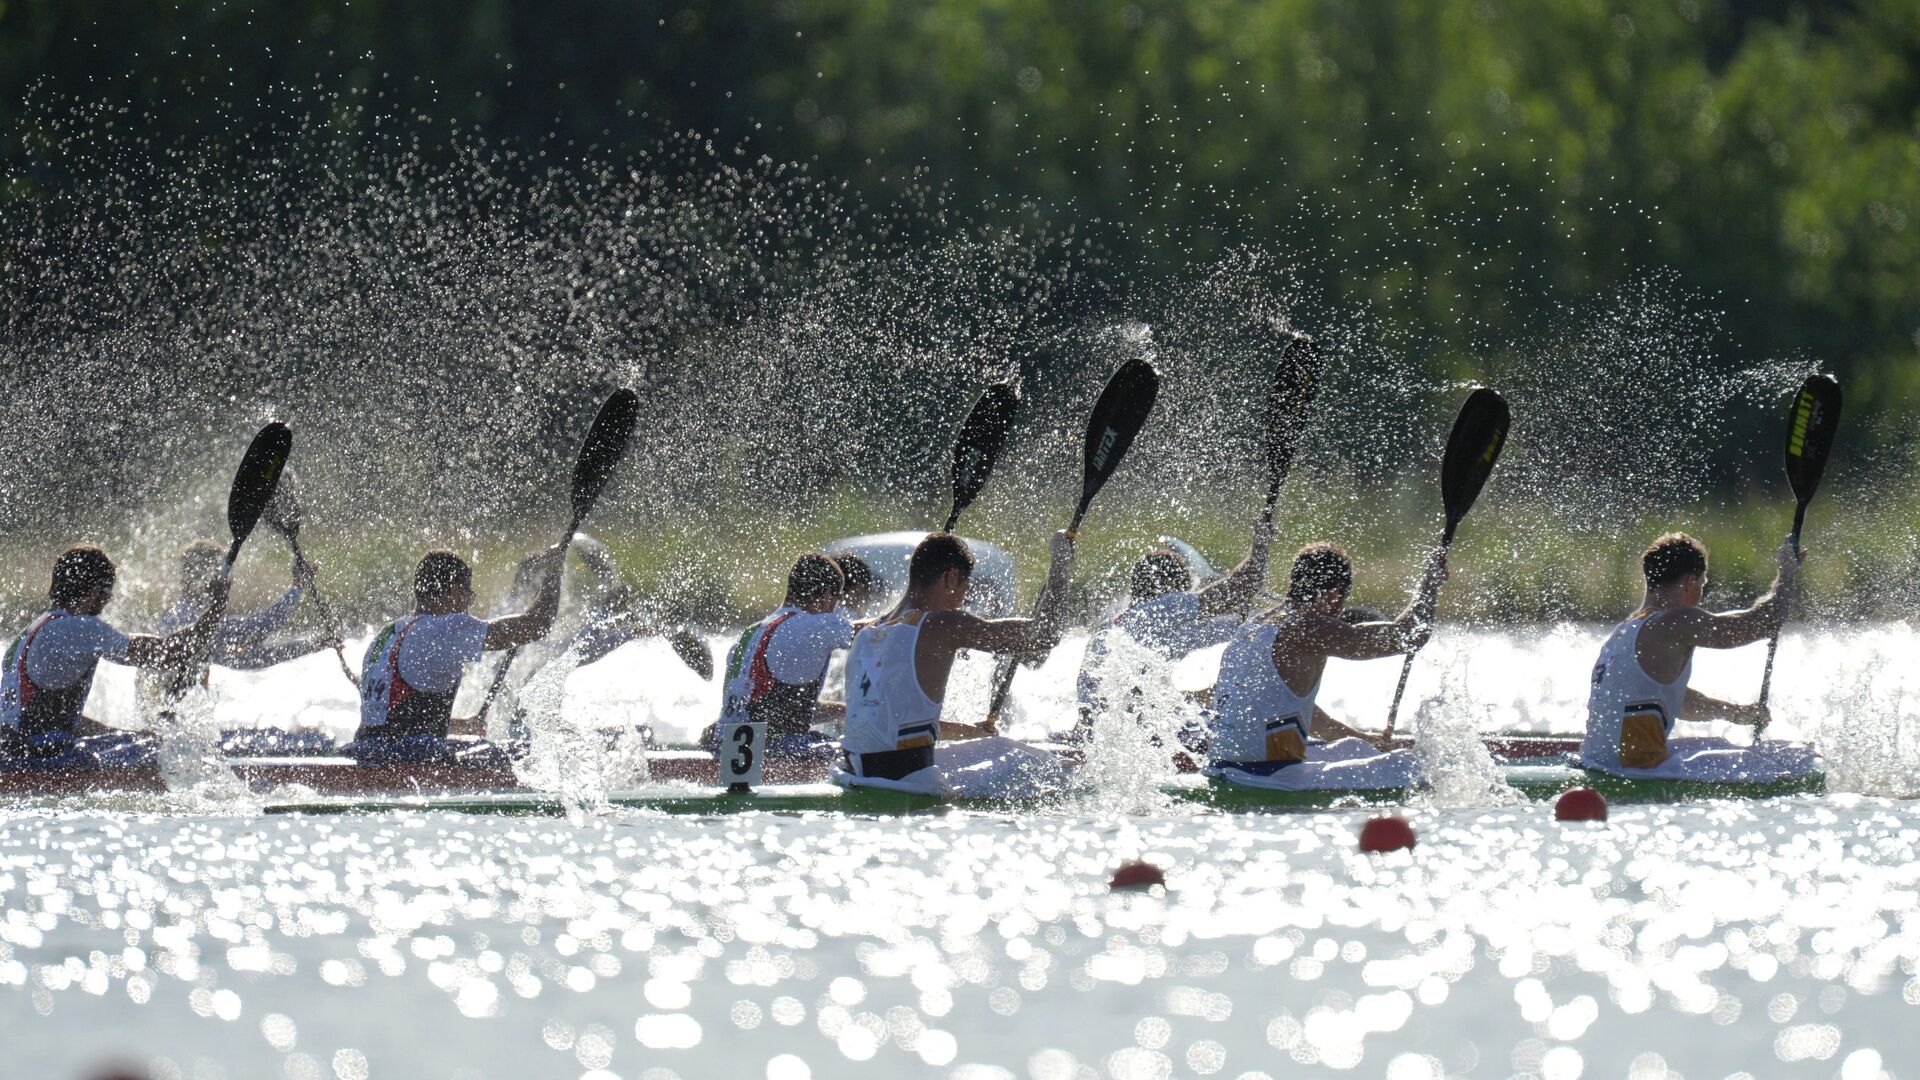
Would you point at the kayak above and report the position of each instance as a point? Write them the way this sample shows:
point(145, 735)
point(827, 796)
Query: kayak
point(686, 781)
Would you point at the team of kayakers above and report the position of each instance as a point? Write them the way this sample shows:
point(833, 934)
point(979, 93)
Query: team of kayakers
point(1261, 725)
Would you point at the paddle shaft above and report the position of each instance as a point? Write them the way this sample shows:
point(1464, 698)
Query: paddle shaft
point(1773, 643)
point(326, 616)
point(500, 677)
point(1406, 666)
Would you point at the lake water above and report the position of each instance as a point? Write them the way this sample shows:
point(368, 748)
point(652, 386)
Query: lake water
point(1760, 939)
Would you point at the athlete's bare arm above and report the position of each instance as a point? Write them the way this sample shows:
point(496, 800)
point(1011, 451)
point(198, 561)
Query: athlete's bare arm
point(532, 624)
point(1328, 635)
point(944, 633)
point(177, 648)
point(1235, 592)
point(1699, 706)
point(1669, 637)
point(1326, 727)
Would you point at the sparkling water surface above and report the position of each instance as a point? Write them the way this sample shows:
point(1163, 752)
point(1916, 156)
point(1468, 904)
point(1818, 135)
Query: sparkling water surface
point(1761, 938)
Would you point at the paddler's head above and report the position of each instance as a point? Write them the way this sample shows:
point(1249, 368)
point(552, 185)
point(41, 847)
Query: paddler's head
point(1676, 568)
point(82, 580)
point(442, 584)
point(939, 572)
point(859, 591)
point(200, 565)
point(815, 583)
point(1321, 580)
point(1159, 572)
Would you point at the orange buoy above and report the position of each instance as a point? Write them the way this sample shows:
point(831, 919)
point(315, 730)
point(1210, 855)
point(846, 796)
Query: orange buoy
point(1386, 834)
point(1581, 804)
point(1137, 875)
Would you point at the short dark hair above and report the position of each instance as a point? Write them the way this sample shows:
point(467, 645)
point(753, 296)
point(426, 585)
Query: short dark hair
point(78, 573)
point(1672, 557)
point(934, 556)
point(1320, 569)
point(812, 577)
point(1159, 572)
point(439, 573)
point(858, 573)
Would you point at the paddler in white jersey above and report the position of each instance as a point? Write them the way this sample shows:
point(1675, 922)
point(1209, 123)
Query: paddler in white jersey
point(1640, 681)
point(897, 682)
point(1165, 620)
point(1265, 719)
point(241, 642)
point(774, 670)
point(413, 667)
point(49, 669)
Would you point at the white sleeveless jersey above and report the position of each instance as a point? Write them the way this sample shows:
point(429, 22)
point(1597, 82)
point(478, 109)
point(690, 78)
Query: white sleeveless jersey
point(886, 707)
point(1629, 714)
point(1257, 716)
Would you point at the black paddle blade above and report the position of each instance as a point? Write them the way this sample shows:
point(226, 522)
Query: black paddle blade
point(1479, 434)
point(255, 481)
point(283, 513)
point(978, 445)
point(1117, 417)
point(1287, 403)
point(1810, 430)
point(605, 443)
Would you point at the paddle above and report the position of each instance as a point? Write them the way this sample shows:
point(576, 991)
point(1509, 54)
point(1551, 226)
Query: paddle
point(1117, 417)
point(1479, 434)
point(1810, 429)
point(978, 445)
point(605, 443)
point(283, 515)
point(1288, 399)
point(253, 487)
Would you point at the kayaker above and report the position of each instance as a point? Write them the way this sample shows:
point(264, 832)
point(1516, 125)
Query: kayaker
point(413, 666)
point(1267, 730)
point(897, 672)
point(1165, 620)
point(860, 595)
point(243, 642)
point(774, 671)
point(50, 667)
point(1640, 681)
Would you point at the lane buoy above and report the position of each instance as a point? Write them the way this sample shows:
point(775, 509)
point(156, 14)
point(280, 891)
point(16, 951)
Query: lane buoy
point(1581, 804)
point(1138, 874)
point(1386, 834)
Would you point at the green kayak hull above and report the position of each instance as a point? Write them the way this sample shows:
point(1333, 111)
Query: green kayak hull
point(1537, 782)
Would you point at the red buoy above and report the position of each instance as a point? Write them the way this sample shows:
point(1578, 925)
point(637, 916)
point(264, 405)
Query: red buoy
point(1386, 834)
point(1137, 875)
point(1581, 804)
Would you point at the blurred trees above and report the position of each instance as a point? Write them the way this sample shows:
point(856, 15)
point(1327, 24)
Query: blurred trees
point(1470, 167)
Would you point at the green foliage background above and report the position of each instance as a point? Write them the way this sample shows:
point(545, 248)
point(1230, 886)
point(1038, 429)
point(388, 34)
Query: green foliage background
point(1471, 164)
point(1475, 170)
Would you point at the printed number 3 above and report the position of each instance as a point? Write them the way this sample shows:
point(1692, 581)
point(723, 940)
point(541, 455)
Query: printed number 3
point(743, 741)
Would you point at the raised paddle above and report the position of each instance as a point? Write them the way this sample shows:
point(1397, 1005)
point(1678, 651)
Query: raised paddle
point(1117, 417)
point(605, 443)
point(1288, 399)
point(978, 445)
point(1479, 434)
point(253, 486)
point(283, 514)
point(1810, 430)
